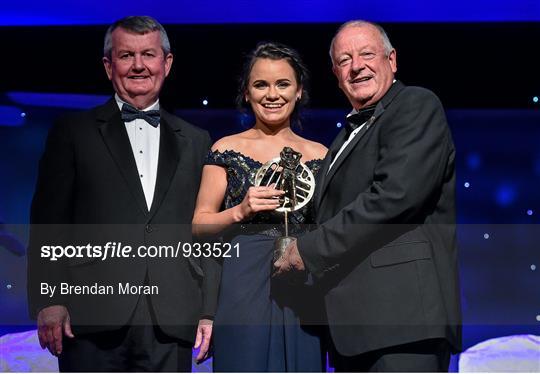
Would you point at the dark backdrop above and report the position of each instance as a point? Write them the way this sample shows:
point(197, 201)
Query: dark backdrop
point(469, 65)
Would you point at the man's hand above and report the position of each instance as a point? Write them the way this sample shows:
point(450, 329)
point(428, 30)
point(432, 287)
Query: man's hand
point(290, 260)
point(204, 335)
point(53, 322)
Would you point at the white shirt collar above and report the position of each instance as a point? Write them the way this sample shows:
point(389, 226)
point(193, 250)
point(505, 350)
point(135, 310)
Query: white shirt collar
point(120, 103)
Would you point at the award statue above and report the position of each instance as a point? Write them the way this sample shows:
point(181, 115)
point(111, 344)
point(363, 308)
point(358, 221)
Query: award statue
point(295, 179)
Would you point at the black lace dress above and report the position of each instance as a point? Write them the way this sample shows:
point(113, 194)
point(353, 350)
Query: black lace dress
point(262, 324)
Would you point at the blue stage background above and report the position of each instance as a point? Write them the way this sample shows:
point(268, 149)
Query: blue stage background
point(88, 12)
point(478, 56)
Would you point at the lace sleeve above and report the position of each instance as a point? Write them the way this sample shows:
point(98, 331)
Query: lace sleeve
point(216, 158)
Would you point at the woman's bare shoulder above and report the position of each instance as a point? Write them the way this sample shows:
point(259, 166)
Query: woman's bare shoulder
point(313, 150)
point(230, 143)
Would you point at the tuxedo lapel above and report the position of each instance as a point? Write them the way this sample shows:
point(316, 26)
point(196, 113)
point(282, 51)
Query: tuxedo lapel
point(173, 147)
point(336, 145)
point(343, 156)
point(115, 136)
point(321, 176)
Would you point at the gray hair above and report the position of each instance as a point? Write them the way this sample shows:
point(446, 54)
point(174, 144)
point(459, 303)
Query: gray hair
point(361, 23)
point(138, 25)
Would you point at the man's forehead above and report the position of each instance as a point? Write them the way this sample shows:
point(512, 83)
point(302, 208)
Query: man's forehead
point(363, 34)
point(126, 38)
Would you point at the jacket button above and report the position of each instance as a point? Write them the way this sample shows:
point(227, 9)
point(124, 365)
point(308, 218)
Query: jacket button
point(148, 229)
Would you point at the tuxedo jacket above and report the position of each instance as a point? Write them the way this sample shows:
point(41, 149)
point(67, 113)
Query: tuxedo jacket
point(385, 246)
point(88, 191)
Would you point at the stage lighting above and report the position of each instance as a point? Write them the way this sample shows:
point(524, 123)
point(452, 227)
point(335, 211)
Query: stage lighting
point(474, 161)
point(10, 116)
point(505, 195)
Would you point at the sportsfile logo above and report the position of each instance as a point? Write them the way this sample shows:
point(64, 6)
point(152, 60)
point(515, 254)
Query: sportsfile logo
point(118, 250)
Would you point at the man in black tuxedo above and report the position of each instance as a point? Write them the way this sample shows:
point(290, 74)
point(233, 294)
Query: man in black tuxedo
point(126, 172)
point(385, 247)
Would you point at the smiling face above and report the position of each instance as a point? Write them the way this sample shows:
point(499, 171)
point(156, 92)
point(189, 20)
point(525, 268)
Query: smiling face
point(137, 66)
point(364, 70)
point(272, 91)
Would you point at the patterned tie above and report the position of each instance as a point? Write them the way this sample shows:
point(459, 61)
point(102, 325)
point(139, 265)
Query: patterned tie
point(130, 113)
point(356, 120)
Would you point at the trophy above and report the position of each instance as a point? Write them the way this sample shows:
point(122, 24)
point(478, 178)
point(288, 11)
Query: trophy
point(296, 180)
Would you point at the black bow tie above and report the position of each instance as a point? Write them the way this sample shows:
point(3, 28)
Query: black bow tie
point(130, 113)
point(359, 118)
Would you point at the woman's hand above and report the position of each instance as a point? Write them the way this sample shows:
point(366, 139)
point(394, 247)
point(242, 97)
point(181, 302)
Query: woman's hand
point(258, 199)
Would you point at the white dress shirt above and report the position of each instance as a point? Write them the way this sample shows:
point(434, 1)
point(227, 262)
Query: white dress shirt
point(349, 139)
point(144, 139)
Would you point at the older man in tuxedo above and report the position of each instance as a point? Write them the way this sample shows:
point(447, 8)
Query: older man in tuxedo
point(385, 247)
point(125, 173)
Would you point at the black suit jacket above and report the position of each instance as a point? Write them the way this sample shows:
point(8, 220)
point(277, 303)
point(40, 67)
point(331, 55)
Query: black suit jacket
point(88, 191)
point(385, 247)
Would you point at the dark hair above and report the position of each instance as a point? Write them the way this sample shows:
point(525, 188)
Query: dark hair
point(275, 51)
point(138, 25)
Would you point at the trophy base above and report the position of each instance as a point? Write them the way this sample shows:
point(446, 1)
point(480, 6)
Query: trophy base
point(280, 244)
